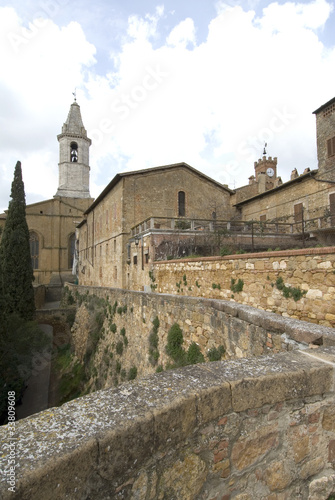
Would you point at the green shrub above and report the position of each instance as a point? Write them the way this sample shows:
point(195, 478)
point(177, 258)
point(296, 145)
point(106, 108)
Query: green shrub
point(153, 343)
point(225, 251)
point(132, 374)
point(236, 287)
point(215, 354)
point(289, 291)
point(119, 348)
point(174, 345)
point(194, 354)
point(113, 328)
point(118, 367)
point(123, 332)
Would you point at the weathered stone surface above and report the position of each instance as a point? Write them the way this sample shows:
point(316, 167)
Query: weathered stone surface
point(249, 450)
point(155, 438)
point(184, 479)
point(278, 476)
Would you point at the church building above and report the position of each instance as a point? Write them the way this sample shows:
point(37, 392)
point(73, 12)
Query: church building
point(52, 223)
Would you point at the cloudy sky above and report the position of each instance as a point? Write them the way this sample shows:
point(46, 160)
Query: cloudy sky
point(201, 81)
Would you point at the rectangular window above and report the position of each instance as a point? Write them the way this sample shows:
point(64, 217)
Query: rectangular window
point(135, 260)
point(181, 204)
point(298, 212)
point(147, 258)
point(331, 146)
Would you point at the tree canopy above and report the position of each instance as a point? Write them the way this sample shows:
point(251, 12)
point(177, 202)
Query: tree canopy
point(15, 260)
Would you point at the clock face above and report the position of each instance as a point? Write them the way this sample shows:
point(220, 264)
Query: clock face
point(270, 172)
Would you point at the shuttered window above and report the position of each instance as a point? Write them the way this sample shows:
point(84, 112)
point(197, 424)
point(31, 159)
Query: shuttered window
point(298, 209)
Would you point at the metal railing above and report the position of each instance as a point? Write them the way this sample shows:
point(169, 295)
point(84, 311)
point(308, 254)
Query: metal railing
point(229, 227)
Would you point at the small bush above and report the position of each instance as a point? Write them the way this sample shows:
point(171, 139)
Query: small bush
point(194, 354)
point(225, 251)
point(215, 354)
point(289, 291)
point(132, 374)
point(119, 348)
point(236, 287)
point(174, 348)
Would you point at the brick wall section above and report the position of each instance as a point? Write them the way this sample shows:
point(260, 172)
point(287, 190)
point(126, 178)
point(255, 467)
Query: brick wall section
point(311, 270)
point(254, 428)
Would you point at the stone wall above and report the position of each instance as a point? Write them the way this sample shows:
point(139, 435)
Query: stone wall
point(236, 430)
point(310, 270)
point(242, 330)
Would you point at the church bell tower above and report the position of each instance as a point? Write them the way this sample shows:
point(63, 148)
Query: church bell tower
point(74, 170)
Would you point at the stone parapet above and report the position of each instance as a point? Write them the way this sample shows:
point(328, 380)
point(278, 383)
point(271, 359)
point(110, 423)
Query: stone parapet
point(253, 428)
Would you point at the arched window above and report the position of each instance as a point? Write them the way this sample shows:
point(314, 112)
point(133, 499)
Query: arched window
point(72, 248)
point(34, 249)
point(74, 152)
point(181, 204)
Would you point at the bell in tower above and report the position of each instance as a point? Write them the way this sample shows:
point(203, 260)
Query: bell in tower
point(74, 170)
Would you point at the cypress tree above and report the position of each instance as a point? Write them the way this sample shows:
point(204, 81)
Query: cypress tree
point(16, 269)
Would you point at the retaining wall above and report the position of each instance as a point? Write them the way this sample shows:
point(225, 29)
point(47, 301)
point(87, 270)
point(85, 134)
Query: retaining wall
point(312, 270)
point(243, 331)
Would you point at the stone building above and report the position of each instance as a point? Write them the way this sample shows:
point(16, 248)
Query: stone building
point(161, 197)
point(140, 214)
point(306, 201)
point(52, 222)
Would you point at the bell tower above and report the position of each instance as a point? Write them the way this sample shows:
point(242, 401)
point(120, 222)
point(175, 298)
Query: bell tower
point(74, 170)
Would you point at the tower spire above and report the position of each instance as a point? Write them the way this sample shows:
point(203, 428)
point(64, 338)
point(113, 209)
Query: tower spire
point(74, 156)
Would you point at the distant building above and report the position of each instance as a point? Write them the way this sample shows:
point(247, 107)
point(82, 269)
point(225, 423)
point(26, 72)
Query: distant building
point(308, 198)
point(171, 193)
point(52, 223)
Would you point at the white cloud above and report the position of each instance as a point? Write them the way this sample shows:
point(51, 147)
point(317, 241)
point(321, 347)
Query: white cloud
point(183, 34)
point(212, 105)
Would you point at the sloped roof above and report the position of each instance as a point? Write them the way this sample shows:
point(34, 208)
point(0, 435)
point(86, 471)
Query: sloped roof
point(163, 168)
point(324, 106)
point(269, 192)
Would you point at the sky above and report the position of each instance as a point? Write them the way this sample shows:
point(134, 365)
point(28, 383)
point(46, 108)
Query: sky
point(160, 82)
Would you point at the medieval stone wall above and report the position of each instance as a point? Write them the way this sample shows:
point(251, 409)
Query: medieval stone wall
point(253, 428)
point(325, 129)
point(312, 271)
point(242, 330)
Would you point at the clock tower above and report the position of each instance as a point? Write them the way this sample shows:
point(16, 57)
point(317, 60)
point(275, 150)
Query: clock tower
point(266, 173)
point(74, 170)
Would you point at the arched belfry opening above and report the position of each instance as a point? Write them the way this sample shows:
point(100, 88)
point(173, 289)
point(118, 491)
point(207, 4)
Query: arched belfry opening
point(74, 152)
